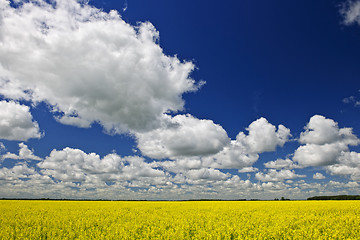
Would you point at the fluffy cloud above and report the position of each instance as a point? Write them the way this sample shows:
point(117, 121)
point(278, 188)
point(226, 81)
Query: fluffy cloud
point(16, 122)
point(72, 173)
point(277, 176)
point(208, 146)
point(324, 142)
point(321, 130)
point(24, 153)
point(281, 163)
point(347, 164)
point(232, 157)
point(351, 12)
point(239, 154)
point(89, 65)
point(326, 145)
point(235, 155)
point(318, 176)
point(248, 170)
point(263, 136)
point(16, 172)
point(318, 155)
point(244, 151)
point(183, 135)
point(74, 165)
point(207, 174)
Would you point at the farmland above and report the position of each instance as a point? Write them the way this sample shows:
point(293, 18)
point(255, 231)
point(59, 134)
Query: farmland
point(20, 219)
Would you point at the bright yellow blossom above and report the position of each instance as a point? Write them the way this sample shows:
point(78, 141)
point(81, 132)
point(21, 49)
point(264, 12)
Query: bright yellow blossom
point(179, 220)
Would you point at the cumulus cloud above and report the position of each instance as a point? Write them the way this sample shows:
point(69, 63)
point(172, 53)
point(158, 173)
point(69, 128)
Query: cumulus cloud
point(73, 121)
point(281, 163)
point(232, 157)
point(235, 155)
point(350, 10)
point(324, 142)
point(277, 176)
point(348, 164)
point(24, 153)
point(248, 170)
point(238, 154)
point(16, 122)
point(244, 151)
point(321, 130)
point(74, 165)
point(318, 155)
point(72, 173)
point(324, 145)
point(16, 172)
point(335, 184)
point(208, 146)
point(263, 136)
point(89, 65)
point(183, 135)
point(181, 165)
point(207, 174)
point(318, 176)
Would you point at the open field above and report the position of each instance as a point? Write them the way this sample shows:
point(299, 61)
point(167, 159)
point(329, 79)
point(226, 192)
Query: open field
point(179, 220)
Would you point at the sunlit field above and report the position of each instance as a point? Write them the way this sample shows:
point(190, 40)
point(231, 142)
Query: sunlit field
point(179, 220)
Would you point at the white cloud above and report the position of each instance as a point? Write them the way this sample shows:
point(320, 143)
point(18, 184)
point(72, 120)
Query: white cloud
point(90, 66)
point(281, 163)
point(263, 136)
point(206, 174)
point(74, 165)
point(348, 164)
point(193, 136)
point(183, 135)
point(318, 176)
point(326, 145)
point(277, 176)
point(248, 169)
point(351, 12)
point(318, 155)
point(24, 153)
point(321, 130)
point(244, 151)
point(181, 165)
point(16, 172)
point(335, 184)
point(74, 121)
point(72, 173)
point(16, 122)
point(232, 157)
point(324, 142)
point(235, 155)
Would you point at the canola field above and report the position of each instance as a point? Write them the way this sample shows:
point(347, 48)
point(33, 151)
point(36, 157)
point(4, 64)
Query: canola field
point(179, 220)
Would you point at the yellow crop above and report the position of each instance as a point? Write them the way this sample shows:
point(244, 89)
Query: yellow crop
point(180, 220)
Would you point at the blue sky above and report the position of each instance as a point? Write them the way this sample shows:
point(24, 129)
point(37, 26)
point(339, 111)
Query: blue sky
point(179, 99)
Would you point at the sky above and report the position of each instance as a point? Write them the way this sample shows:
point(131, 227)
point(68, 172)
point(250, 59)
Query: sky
point(176, 100)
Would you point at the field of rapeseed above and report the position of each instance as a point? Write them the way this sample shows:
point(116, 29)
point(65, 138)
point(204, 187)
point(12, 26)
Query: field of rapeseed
point(179, 220)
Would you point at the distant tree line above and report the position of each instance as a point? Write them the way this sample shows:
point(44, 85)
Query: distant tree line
point(282, 199)
point(338, 197)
